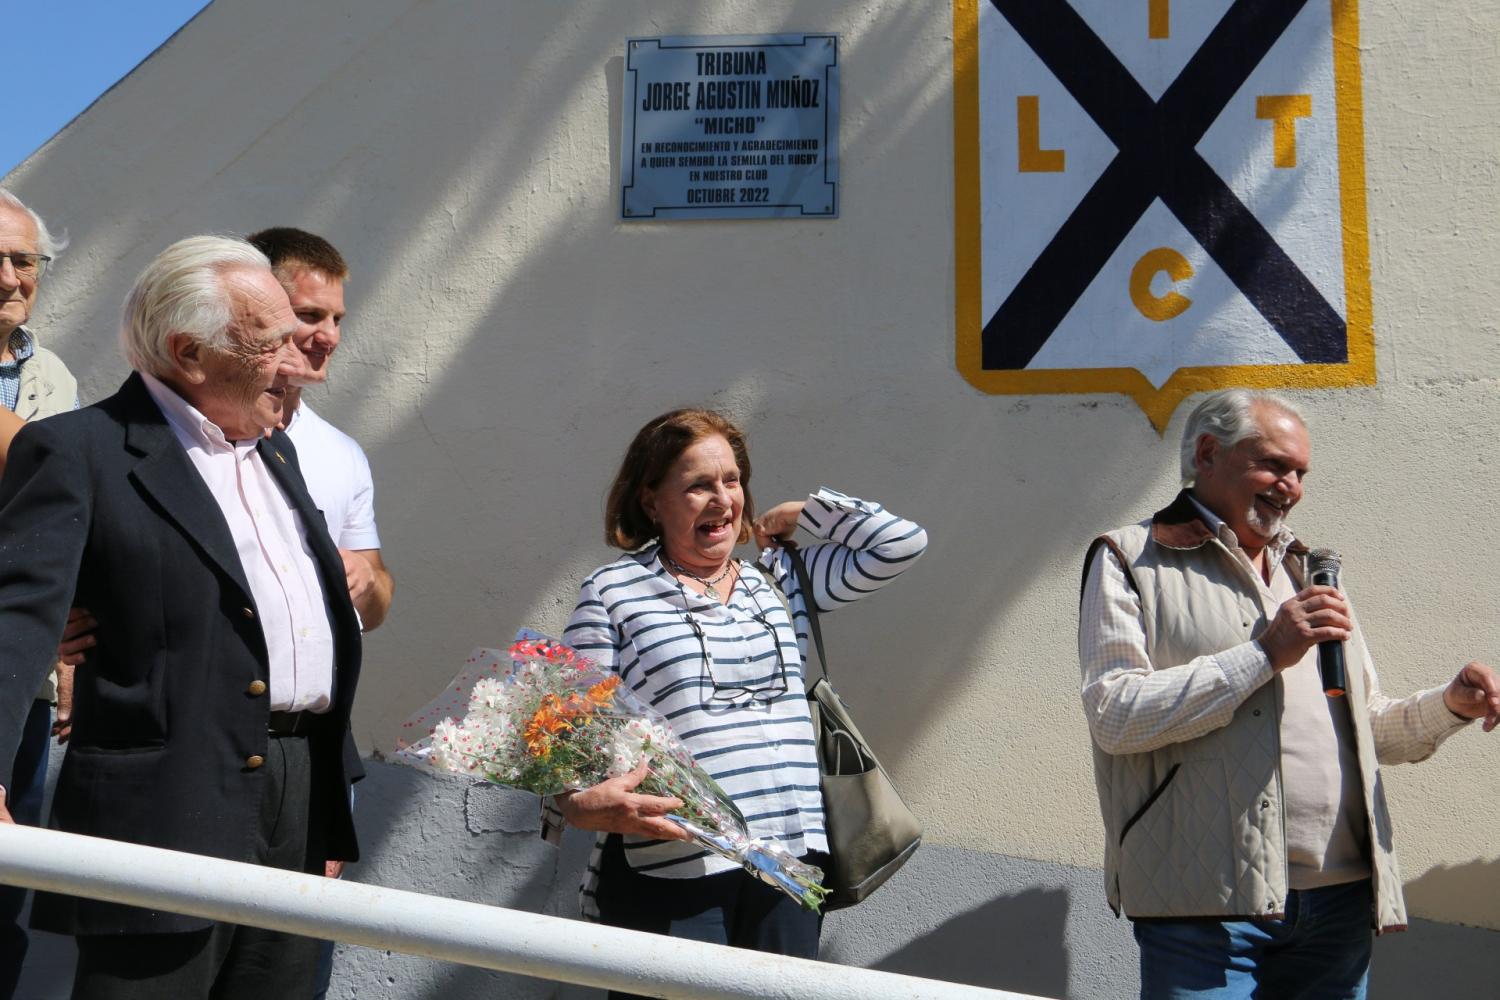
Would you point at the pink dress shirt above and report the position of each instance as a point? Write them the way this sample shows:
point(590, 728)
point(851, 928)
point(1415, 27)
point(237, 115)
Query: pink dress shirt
point(271, 541)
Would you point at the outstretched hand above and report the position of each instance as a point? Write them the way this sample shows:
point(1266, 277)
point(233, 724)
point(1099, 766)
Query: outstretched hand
point(1475, 694)
point(613, 806)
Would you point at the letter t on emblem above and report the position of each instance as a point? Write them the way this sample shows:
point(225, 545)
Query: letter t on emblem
point(1283, 110)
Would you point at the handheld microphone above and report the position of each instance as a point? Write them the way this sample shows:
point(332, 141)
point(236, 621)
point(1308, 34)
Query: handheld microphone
point(1323, 566)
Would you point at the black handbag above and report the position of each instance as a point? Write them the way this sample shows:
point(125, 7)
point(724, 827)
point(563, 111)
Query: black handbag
point(871, 832)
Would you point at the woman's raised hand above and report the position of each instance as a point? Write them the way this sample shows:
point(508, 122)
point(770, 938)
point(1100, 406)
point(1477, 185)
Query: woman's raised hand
point(777, 524)
point(613, 806)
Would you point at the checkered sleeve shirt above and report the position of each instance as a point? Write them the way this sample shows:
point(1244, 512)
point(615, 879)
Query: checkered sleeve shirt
point(1131, 706)
point(22, 347)
point(1134, 708)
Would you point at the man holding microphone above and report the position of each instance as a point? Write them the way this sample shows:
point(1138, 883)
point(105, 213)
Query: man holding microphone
point(1247, 834)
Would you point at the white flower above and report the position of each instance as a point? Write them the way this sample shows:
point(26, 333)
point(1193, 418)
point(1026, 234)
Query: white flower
point(624, 751)
point(489, 693)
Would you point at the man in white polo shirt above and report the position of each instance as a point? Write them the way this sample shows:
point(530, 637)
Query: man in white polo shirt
point(313, 273)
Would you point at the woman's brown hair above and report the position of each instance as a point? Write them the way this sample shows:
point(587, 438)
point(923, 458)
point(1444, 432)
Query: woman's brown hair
point(656, 446)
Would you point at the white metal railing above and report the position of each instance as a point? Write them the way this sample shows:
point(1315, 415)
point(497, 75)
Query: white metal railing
point(451, 930)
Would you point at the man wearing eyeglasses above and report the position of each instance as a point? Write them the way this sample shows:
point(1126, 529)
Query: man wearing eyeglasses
point(34, 383)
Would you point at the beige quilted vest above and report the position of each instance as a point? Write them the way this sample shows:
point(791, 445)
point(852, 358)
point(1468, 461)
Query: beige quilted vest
point(47, 387)
point(1196, 828)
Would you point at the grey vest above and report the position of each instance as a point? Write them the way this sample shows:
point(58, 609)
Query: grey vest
point(1195, 829)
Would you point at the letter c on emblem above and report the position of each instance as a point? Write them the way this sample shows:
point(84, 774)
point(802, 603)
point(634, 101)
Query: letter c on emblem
point(1159, 307)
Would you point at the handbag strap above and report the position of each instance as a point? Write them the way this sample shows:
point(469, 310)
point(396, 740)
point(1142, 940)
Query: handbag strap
point(804, 582)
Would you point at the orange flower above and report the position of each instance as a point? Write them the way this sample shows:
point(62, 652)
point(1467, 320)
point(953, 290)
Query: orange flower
point(538, 744)
point(546, 722)
point(604, 692)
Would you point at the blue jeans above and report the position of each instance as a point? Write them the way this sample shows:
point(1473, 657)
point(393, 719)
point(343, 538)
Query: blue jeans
point(1319, 951)
point(24, 800)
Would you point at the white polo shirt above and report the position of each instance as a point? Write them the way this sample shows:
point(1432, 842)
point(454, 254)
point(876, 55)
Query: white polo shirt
point(338, 477)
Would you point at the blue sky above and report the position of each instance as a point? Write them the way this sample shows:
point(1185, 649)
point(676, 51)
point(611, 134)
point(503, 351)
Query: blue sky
point(62, 54)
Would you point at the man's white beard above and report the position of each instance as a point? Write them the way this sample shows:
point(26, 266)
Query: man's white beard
point(1264, 526)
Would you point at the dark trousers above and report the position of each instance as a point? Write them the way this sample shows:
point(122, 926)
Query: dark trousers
point(732, 908)
point(223, 961)
point(324, 977)
point(24, 800)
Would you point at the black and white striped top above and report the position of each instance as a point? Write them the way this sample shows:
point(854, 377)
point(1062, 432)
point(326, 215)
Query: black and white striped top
point(634, 618)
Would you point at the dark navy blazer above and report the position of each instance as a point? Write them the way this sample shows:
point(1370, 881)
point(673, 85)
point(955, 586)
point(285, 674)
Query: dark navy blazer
point(103, 508)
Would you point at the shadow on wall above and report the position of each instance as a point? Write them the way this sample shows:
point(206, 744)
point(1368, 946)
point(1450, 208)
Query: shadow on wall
point(991, 921)
point(1011, 943)
point(1435, 960)
point(1463, 894)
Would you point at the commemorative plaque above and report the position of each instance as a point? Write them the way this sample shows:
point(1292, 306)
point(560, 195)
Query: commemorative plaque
point(730, 127)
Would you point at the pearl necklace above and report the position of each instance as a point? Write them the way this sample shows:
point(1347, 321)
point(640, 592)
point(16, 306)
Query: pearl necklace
point(708, 585)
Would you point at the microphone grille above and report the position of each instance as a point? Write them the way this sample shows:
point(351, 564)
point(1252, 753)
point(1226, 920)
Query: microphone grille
point(1324, 561)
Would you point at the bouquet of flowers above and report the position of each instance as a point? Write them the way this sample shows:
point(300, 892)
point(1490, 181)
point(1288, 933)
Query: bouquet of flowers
point(545, 719)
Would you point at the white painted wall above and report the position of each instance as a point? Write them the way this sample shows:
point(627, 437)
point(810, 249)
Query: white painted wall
point(507, 335)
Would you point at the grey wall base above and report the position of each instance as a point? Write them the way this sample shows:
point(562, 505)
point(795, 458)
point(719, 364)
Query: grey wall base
point(984, 919)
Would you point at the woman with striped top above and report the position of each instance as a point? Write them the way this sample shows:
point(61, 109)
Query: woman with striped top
point(708, 642)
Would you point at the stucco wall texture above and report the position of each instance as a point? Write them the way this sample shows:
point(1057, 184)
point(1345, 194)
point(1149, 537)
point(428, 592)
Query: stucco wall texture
point(507, 334)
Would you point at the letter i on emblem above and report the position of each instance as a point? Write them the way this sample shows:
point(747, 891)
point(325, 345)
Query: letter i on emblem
point(1158, 20)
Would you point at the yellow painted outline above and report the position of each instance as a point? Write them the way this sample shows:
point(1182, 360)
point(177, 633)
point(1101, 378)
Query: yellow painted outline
point(1158, 404)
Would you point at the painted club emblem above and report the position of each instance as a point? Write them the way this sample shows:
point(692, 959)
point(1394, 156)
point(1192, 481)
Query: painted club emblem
point(1160, 198)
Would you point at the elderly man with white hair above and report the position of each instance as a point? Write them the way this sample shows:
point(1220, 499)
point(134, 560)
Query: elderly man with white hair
point(34, 383)
point(212, 715)
point(1246, 828)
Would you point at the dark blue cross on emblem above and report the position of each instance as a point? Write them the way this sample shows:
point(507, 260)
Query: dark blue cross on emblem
point(1157, 159)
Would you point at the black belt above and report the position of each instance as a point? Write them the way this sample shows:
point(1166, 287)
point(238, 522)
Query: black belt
point(292, 723)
